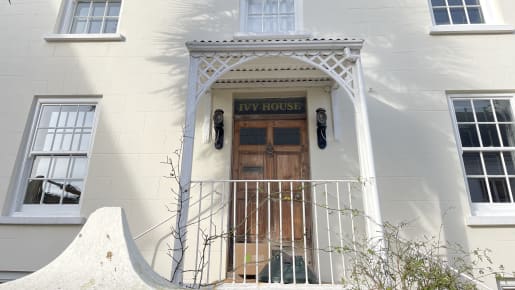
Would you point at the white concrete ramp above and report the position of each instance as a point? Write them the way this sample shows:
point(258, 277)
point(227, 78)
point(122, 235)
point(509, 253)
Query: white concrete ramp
point(102, 256)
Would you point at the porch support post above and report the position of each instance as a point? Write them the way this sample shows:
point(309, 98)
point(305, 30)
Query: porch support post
point(207, 110)
point(366, 159)
point(185, 174)
point(337, 95)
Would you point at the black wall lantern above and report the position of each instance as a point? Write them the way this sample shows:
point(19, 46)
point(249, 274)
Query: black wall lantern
point(321, 126)
point(218, 121)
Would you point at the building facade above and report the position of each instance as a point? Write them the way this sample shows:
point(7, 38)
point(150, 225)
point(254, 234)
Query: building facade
point(400, 109)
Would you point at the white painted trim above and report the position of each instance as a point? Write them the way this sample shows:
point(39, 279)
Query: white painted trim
point(471, 29)
point(41, 220)
point(279, 286)
point(487, 8)
point(17, 208)
point(490, 221)
point(186, 168)
point(252, 35)
point(68, 37)
point(207, 111)
point(254, 46)
point(65, 18)
point(337, 95)
point(366, 159)
point(506, 283)
point(481, 214)
point(299, 23)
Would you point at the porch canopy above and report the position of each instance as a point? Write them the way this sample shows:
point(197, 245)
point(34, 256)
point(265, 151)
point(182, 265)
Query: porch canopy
point(334, 63)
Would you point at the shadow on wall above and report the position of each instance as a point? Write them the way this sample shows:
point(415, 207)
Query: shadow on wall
point(407, 73)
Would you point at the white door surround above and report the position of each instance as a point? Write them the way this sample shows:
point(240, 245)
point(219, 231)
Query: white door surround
point(338, 58)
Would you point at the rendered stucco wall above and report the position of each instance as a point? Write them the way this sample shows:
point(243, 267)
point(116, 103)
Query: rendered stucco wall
point(143, 80)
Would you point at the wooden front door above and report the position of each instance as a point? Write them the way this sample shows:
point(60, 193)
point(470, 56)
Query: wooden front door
point(271, 150)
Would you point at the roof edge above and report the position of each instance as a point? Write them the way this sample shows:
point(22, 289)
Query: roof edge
point(273, 44)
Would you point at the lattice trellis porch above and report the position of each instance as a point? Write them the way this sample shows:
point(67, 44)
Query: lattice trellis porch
point(337, 58)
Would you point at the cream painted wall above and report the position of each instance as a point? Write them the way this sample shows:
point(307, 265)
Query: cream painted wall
point(143, 80)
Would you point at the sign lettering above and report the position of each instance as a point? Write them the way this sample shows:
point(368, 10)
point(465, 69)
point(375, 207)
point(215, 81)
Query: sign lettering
point(270, 106)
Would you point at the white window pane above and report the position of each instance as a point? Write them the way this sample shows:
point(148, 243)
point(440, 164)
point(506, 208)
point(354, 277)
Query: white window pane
point(455, 2)
point(503, 110)
point(65, 140)
point(463, 110)
point(34, 191)
point(468, 135)
point(438, 2)
point(458, 15)
point(59, 167)
point(509, 160)
point(76, 140)
point(286, 6)
point(84, 142)
point(472, 2)
point(40, 167)
point(478, 191)
point(507, 134)
point(67, 117)
point(269, 24)
point(43, 140)
point(484, 112)
point(472, 162)
point(72, 192)
point(254, 24)
point(493, 163)
point(49, 116)
point(113, 9)
point(255, 6)
point(286, 23)
point(270, 7)
point(110, 26)
point(489, 135)
point(95, 26)
point(82, 9)
point(79, 167)
point(98, 8)
point(475, 15)
point(87, 114)
point(441, 16)
point(78, 26)
point(499, 190)
point(52, 190)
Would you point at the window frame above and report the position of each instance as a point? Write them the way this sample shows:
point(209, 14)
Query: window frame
point(65, 18)
point(491, 24)
point(485, 13)
point(484, 213)
point(298, 9)
point(18, 208)
point(69, 15)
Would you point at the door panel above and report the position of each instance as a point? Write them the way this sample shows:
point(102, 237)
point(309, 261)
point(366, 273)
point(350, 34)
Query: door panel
point(274, 150)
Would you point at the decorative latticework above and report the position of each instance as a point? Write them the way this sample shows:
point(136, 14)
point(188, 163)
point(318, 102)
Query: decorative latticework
point(212, 67)
point(338, 65)
point(336, 58)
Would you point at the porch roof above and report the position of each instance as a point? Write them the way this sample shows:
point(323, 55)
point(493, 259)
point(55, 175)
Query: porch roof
point(275, 70)
point(202, 46)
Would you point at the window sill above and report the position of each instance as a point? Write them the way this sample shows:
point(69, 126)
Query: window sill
point(64, 37)
point(471, 29)
point(252, 35)
point(490, 221)
point(33, 220)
